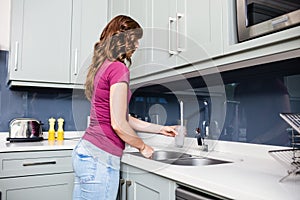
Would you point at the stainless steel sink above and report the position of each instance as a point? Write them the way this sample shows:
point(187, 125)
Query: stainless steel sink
point(198, 161)
point(165, 155)
point(184, 159)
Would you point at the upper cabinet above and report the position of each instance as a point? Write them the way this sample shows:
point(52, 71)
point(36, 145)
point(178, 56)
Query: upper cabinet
point(202, 29)
point(4, 24)
point(51, 42)
point(89, 19)
point(117, 7)
point(40, 40)
point(141, 11)
point(186, 31)
point(176, 33)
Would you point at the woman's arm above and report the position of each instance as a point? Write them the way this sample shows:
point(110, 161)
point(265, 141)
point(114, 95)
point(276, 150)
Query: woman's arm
point(118, 113)
point(140, 125)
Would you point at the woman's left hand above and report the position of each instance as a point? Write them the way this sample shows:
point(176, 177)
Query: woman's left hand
point(168, 131)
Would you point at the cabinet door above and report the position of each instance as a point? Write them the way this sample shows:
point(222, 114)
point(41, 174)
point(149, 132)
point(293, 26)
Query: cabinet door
point(164, 35)
point(141, 11)
point(148, 186)
point(47, 187)
point(40, 40)
point(158, 47)
point(4, 24)
point(117, 7)
point(203, 37)
point(89, 19)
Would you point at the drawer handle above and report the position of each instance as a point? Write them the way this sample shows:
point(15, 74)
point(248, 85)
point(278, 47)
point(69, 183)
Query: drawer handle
point(39, 163)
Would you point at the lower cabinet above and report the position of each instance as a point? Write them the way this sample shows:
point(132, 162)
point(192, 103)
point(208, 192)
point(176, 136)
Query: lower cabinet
point(29, 175)
point(138, 184)
point(45, 187)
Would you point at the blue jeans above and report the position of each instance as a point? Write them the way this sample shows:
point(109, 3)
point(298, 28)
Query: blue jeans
point(96, 173)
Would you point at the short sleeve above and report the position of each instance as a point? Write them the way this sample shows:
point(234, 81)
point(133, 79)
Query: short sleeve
point(118, 72)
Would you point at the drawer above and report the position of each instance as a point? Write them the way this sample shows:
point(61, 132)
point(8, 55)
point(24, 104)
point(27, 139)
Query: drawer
point(15, 164)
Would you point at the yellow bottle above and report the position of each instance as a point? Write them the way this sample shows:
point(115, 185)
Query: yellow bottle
point(60, 130)
point(51, 131)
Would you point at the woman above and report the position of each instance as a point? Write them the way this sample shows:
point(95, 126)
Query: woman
point(96, 158)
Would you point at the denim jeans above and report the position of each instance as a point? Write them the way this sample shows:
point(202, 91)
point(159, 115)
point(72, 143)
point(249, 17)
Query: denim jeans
point(96, 173)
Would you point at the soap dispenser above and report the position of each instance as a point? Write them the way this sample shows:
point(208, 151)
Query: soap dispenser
point(60, 130)
point(51, 131)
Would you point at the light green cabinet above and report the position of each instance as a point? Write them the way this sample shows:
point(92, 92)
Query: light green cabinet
point(202, 28)
point(40, 40)
point(141, 11)
point(177, 33)
point(88, 20)
point(36, 175)
point(117, 7)
point(140, 184)
point(47, 187)
point(52, 41)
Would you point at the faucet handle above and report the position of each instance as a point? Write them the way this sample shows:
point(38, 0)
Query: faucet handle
point(198, 136)
point(200, 140)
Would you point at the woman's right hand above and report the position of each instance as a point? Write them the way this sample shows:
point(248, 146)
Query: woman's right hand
point(147, 151)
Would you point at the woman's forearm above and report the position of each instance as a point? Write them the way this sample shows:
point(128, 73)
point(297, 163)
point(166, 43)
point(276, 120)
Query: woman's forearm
point(127, 134)
point(143, 126)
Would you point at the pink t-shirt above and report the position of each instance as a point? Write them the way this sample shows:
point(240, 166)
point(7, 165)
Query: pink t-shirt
point(100, 132)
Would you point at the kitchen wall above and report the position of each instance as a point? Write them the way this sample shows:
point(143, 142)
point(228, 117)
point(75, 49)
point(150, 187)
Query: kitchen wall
point(40, 103)
point(160, 103)
point(247, 111)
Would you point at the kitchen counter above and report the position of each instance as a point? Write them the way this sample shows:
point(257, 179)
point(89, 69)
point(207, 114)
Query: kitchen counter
point(253, 173)
point(70, 141)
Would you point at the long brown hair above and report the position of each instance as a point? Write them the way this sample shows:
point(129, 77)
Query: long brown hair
point(116, 43)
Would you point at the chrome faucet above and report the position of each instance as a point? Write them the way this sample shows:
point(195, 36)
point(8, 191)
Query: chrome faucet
point(201, 139)
point(206, 122)
point(203, 132)
point(205, 128)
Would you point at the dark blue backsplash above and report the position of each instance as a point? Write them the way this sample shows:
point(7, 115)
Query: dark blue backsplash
point(40, 103)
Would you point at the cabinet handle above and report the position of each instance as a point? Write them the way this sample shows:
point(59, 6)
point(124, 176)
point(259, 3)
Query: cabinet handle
point(122, 181)
point(171, 20)
point(76, 62)
point(128, 183)
point(16, 55)
point(178, 16)
point(39, 163)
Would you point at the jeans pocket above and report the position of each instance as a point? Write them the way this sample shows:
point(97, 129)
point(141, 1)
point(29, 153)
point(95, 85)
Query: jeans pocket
point(84, 165)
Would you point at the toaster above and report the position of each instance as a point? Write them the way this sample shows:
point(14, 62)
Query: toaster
point(25, 130)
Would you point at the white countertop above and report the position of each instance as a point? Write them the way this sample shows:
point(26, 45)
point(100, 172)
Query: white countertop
point(253, 173)
point(71, 139)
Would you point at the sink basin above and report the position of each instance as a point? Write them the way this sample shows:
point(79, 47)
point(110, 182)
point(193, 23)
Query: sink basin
point(165, 155)
point(183, 159)
point(198, 162)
